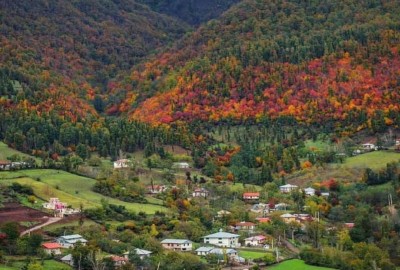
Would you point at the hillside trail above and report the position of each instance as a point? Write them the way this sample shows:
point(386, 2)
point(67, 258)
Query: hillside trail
point(50, 221)
point(291, 247)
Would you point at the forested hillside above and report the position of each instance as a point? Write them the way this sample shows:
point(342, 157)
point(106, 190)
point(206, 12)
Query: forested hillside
point(279, 58)
point(191, 11)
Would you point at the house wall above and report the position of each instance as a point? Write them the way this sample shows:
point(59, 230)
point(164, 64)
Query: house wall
point(222, 242)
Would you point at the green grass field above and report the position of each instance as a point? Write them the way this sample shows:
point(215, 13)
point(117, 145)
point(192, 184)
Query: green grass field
point(296, 265)
point(374, 160)
point(6, 151)
point(48, 265)
point(247, 254)
point(70, 188)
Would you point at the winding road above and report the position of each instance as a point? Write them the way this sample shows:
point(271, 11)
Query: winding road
point(50, 221)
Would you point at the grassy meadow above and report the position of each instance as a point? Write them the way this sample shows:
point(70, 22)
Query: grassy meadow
point(296, 265)
point(6, 151)
point(70, 188)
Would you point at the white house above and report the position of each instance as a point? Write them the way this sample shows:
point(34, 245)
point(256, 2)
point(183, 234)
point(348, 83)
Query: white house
point(177, 244)
point(257, 240)
point(203, 251)
point(68, 259)
point(369, 146)
point(222, 239)
point(288, 188)
point(142, 253)
point(180, 165)
point(309, 191)
point(67, 241)
point(52, 248)
point(122, 163)
point(156, 189)
point(200, 192)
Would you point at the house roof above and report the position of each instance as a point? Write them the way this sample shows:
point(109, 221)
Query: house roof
point(221, 235)
point(118, 258)
point(287, 215)
point(251, 194)
point(175, 241)
point(288, 186)
point(67, 257)
point(256, 238)
point(245, 223)
point(204, 249)
point(220, 251)
point(263, 220)
point(51, 245)
point(4, 162)
point(140, 252)
point(72, 236)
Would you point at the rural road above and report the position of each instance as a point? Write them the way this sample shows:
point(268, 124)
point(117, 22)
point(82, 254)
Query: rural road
point(50, 221)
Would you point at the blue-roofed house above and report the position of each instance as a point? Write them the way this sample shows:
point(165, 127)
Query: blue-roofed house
point(177, 244)
point(222, 239)
point(142, 253)
point(67, 241)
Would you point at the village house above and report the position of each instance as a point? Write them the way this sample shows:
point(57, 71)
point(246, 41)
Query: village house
point(118, 260)
point(288, 188)
point(288, 218)
point(251, 196)
point(122, 163)
point(260, 208)
point(180, 165)
point(254, 241)
point(222, 239)
point(177, 244)
point(67, 259)
point(263, 220)
point(220, 253)
point(369, 147)
point(52, 248)
point(142, 253)
point(4, 165)
point(309, 191)
point(245, 226)
point(223, 213)
point(200, 192)
point(156, 189)
point(67, 241)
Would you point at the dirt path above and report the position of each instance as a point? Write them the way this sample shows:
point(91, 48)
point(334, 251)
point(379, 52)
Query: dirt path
point(50, 221)
point(291, 247)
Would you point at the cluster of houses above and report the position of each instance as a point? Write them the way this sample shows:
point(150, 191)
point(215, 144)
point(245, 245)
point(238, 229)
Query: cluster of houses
point(15, 165)
point(60, 209)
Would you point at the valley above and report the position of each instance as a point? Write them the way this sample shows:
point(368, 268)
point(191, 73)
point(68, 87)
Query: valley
point(176, 135)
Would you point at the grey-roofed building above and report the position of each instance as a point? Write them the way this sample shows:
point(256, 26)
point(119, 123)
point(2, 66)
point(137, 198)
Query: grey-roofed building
point(142, 253)
point(177, 244)
point(67, 241)
point(68, 259)
point(222, 239)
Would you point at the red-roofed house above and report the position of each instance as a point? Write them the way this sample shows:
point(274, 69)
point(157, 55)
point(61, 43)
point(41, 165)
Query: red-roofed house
point(250, 196)
point(156, 189)
point(119, 261)
point(52, 248)
point(245, 226)
point(263, 220)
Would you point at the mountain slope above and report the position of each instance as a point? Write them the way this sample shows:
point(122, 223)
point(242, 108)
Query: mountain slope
point(277, 58)
point(191, 11)
point(67, 51)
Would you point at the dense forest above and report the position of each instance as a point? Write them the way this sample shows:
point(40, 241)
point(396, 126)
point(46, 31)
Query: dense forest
point(272, 58)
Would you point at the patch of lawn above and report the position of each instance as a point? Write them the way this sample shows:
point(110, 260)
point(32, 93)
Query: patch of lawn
point(248, 254)
point(47, 265)
point(297, 265)
point(6, 151)
point(70, 188)
point(374, 160)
